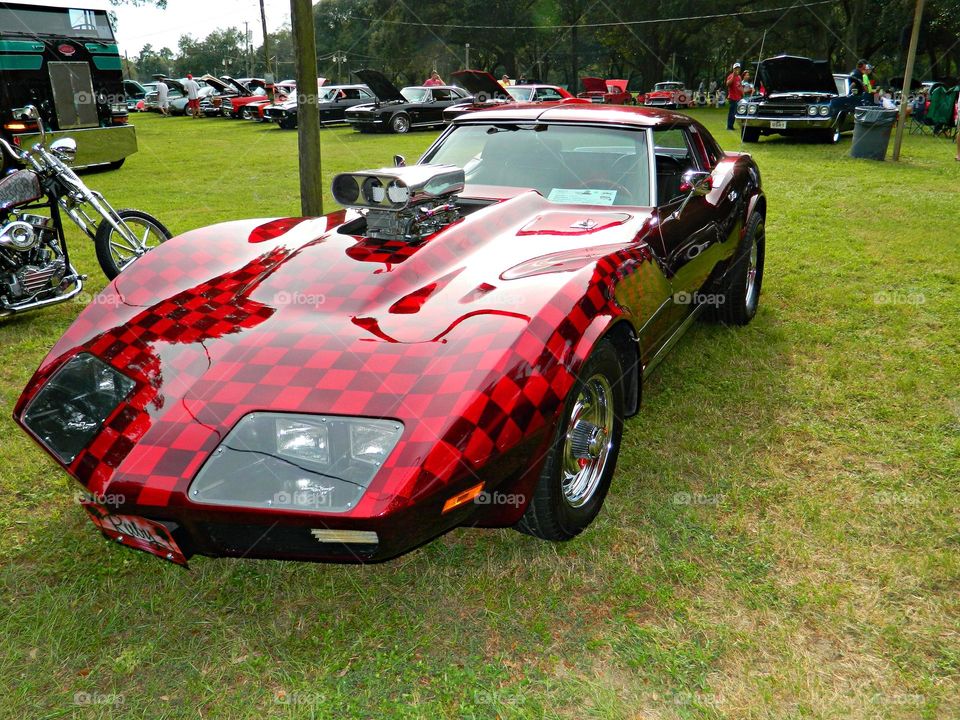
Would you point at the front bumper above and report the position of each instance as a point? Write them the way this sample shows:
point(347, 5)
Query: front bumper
point(95, 146)
point(791, 123)
point(365, 121)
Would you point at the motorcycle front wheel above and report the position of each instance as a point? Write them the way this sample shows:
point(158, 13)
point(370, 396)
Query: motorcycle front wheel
point(115, 252)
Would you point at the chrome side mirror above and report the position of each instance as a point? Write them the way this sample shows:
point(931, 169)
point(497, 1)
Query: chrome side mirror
point(399, 161)
point(30, 113)
point(697, 182)
point(65, 149)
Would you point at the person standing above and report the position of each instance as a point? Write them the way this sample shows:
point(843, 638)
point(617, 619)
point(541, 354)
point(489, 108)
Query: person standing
point(734, 94)
point(433, 80)
point(857, 74)
point(193, 96)
point(163, 97)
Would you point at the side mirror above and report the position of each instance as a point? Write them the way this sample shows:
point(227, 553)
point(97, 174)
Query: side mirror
point(697, 182)
point(65, 149)
point(30, 112)
point(399, 161)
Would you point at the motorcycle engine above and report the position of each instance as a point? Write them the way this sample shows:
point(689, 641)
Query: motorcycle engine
point(403, 203)
point(31, 259)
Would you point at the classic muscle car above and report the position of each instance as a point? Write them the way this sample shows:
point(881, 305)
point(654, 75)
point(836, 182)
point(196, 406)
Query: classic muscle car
point(247, 90)
point(333, 102)
point(400, 111)
point(599, 90)
point(487, 92)
point(458, 346)
point(668, 94)
point(799, 96)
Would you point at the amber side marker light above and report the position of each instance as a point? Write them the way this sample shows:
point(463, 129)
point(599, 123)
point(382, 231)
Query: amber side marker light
point(19, 126)
point(464, 497)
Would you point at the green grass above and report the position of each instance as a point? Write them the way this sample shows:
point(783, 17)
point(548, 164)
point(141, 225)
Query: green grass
point(816, 575)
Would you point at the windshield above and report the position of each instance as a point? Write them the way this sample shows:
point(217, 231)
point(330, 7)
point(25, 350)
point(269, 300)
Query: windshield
point(61, 22)
point(520, 94)
point(668, 86)
point(576, 164)
point(416, 94)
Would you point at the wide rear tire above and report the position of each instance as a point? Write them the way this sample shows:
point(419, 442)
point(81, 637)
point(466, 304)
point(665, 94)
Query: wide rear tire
point(741, 295)
point(583, 455)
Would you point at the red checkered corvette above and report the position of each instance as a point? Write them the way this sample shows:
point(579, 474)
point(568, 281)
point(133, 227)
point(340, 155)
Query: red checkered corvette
point(458, 347)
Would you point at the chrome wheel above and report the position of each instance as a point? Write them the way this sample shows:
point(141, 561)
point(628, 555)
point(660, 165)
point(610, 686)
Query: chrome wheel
point(116, 250)
point(751, 284)
point(589, 439)
point(400, 124)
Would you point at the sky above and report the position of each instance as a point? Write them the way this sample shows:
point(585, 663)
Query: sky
point(137, 26)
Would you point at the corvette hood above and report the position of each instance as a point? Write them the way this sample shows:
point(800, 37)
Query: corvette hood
point(297, 315)
point(593, 84)
point(480, 83)
point(788, 73)
point(379, 85)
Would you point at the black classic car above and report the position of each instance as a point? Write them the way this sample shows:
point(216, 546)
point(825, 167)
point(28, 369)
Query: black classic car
point(400, 111)
point(798, 96)
point(333, 102)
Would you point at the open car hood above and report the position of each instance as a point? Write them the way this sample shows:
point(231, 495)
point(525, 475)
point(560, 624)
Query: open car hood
point(480, 83)
point(379, 85)
point(236, 85)
point(789, 73)
point(594, 84)
point(619, 86)
point(217, 84)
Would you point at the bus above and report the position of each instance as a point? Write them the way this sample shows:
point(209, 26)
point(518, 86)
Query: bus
point(62, 57)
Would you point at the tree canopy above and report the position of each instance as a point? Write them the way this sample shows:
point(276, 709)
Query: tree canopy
point(560, 41)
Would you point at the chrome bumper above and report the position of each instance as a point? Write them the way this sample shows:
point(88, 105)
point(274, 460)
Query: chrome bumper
point(793, 123)
point(95, 146)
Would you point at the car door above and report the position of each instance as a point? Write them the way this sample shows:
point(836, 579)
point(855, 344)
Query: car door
point(441, 98)
point(689, 233)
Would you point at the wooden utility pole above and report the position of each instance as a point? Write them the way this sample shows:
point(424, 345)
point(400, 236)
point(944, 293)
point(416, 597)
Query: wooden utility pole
point(908, 79)
point(308, 114)
point(266, 42)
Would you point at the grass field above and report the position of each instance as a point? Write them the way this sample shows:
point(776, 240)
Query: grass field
point(782, 539)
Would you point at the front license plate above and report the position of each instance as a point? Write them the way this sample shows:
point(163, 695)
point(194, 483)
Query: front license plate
point(778, 124)
point(136, 532)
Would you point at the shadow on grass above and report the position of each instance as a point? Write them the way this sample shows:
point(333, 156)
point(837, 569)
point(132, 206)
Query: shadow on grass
point(466, 600)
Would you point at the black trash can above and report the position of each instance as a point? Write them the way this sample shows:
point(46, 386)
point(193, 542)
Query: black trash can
point(871, 132)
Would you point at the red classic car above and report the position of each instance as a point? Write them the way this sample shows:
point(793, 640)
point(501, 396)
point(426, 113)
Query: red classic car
point(613, 92)
point(248, 90)
point(487, 92)
point(277, 93)
point(669, 94)
point(459, 346)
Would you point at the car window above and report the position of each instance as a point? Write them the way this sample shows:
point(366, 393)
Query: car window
point(674, 156)
point(364, 94)
point(352, 94)
point(416, 94)
point(576, 164)
point(519, 94)
point(442, 94)
point(546, 94)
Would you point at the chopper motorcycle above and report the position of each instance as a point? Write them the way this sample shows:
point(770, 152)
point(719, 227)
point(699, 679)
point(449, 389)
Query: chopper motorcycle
point(35, 268)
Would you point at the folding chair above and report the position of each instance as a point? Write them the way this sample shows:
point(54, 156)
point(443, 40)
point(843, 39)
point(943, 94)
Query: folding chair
point(918, 117)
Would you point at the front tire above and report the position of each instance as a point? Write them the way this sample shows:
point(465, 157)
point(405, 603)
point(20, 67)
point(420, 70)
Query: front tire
point(583, 455)
point(741, 296)
point(114, 252)
point(400, 123)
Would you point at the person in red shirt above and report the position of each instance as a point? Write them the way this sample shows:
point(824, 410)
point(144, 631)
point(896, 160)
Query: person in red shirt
point(433, 80)
point(734, 94)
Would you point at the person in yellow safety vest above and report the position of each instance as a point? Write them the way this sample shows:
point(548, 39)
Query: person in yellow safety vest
point(868, 84)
